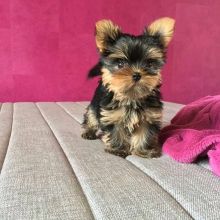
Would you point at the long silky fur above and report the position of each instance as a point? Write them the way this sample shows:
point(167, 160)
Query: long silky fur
point(128, 113)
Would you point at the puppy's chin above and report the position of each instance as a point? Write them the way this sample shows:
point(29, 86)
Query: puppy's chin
point(136, 91)
point(131, 91)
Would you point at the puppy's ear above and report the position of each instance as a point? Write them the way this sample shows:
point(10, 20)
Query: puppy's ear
point(162, 28)
point(106, 34)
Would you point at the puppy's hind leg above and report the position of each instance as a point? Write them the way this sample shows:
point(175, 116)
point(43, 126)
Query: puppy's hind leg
point(90, 124)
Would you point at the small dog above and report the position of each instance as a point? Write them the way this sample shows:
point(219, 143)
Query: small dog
point(126, 105)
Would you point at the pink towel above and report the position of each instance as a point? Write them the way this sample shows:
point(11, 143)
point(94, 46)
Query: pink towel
point(194, 132)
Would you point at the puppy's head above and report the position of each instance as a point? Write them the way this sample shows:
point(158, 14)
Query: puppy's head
point(132, 64)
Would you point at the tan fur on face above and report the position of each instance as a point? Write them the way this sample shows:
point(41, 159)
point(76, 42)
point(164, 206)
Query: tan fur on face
point(152, 81)
point(117, 81)
point(105, 29)
point(122, 85)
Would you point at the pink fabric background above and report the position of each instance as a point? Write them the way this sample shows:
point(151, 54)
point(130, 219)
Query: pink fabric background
point(47, 46)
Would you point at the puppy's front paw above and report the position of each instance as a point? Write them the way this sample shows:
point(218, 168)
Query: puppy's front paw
point(148, 153)
point(117, 152)
point(89, 135)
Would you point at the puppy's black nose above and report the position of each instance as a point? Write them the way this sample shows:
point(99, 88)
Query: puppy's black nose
point(136, 77)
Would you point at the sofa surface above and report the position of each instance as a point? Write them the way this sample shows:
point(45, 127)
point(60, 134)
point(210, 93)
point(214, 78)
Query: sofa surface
point(49, 172)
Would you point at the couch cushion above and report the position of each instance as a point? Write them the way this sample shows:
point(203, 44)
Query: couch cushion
point(37, 181)
point(196, 188)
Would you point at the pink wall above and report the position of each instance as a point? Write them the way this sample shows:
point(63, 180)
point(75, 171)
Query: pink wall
point(47, 46)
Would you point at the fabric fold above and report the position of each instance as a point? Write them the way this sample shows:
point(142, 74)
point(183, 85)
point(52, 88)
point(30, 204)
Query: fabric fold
point(195, 132)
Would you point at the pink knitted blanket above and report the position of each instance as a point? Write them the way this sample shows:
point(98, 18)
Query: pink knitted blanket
point(194, 132)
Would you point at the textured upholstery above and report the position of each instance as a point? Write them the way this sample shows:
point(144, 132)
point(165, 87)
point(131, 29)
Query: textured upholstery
point(50, 172)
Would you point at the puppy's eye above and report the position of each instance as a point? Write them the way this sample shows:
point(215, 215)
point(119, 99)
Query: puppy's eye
point(120, 64)
point(151, 62)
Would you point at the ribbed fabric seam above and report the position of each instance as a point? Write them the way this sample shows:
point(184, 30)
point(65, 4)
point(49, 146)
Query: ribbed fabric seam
point(84, 105)
point(139, 167)
point(9, 139)
point(75, 118)
point(46, 121)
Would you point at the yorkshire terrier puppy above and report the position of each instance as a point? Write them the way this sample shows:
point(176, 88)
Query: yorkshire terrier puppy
point(126, 105)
